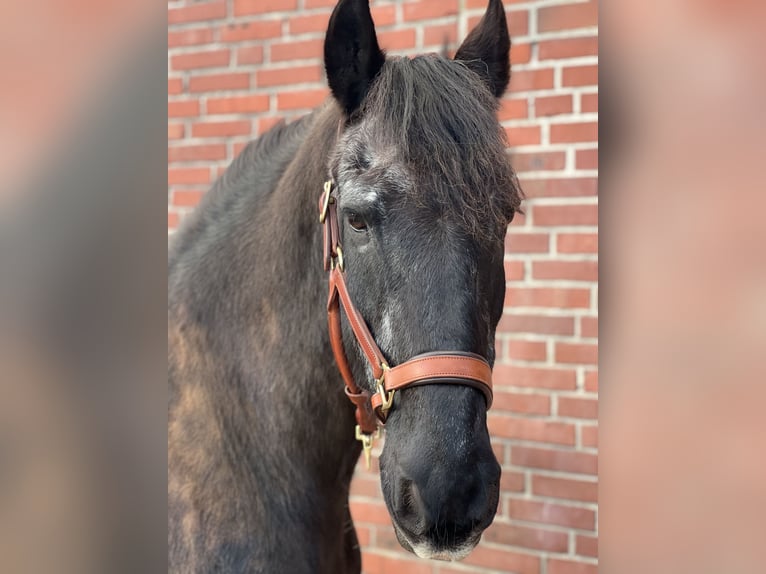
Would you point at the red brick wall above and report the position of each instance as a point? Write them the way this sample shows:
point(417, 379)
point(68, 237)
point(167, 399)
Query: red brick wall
point(235, 66)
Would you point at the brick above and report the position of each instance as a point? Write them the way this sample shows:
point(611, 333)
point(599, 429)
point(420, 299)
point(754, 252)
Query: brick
point(173, 220)
point(565, 488)
point(221, 129)
point(286, 76)
point(365, 486)
point(538, 161)
point(591, 381)
point(319, 3)
point(567, 48)
point(523, 135)
point(514, 270)
point(513, 109)
point(505, 560)
point(201, 59)
point(577, 243)
point(238, 104)
point(533, 377)
point(187, 197)
point(197, 12)
point(579, 408)
point(281, 51)
point(550, 459)
point(384, 15)
point(574, 76)
point(527, 350)
point(373, 563)
point(586, 159)
point(589, 103)
point(521, 54)
point(183, 108)
point(538, 324)
point(441, 35)
point(216, 82)
point(258, 30)
point(306, 99)
point(372, 512)
point(250, 55)
point(175, 131)
point(567, 16)
point(197, 152)
point(589, 327)
point(512, 481)
point(175, 86)
point(188, 175)
point(556, 566)
point(530, 80)
point(427, 9)
point(571, 270)
point(245, 7)
point(527, 242)
point(307, 24)
point(589, 436)
point(575, 132)
point(534, 538)
point(527, 403)
point(553, 105)
point(560, 187)
point(399, 39)
point(548, 297)
point(565, 215)
point(576, 353)
point(586, 545)
point(551, 513)
point(529, 429)
point(189, 37)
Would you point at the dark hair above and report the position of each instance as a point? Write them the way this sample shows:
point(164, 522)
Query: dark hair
point(440, 116)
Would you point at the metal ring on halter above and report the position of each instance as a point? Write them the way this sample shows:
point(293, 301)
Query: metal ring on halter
point(387, 399)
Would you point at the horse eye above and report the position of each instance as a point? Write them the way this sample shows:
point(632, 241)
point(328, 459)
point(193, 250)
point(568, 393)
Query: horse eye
point(357, 222)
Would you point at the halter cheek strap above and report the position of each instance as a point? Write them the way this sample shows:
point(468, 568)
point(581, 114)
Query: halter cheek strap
point(431, 368)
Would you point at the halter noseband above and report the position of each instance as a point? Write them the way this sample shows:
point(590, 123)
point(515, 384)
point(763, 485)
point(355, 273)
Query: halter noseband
point(430, 368)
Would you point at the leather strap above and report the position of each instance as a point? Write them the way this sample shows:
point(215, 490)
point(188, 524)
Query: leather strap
point(440, 368)
point(431, 368)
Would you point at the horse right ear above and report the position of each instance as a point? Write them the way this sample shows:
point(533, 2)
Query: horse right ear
point(352, 57)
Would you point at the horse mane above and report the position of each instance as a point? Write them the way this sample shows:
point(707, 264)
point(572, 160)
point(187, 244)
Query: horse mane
point(253, 174)
point(441, 118)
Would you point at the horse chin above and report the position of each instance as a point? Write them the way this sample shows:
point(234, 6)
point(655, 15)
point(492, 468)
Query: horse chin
point(426, 549)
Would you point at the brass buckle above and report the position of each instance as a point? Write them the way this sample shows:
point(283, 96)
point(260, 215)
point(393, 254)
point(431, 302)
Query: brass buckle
point(327, 200)
point(338, 261)
point(387, 399)
point(366, 439)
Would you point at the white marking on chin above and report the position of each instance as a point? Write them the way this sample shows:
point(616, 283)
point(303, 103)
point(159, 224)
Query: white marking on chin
point(425, 550)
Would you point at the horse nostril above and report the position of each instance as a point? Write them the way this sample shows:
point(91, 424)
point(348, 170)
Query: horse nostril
point(409, 500)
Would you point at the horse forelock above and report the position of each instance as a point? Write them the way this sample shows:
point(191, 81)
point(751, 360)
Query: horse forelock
point(433, 119)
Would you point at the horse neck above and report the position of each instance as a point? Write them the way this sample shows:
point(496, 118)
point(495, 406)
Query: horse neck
point(318, 429)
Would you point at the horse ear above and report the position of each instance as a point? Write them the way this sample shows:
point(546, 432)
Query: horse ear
point(352, 57)
point(487, 49)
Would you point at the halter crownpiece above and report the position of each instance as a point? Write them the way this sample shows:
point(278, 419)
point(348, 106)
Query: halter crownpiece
point(430, 368)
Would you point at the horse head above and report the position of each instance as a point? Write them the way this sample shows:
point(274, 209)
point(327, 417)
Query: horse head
point(425, 193)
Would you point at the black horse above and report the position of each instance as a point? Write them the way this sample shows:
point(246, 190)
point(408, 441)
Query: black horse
point(261, 446)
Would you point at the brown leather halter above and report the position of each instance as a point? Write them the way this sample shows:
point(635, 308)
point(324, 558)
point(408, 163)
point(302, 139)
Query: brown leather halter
point(430, 368)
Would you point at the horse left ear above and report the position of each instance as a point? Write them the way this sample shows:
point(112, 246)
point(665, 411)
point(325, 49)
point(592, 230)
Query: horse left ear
point(487, 49)
point(352, 56)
